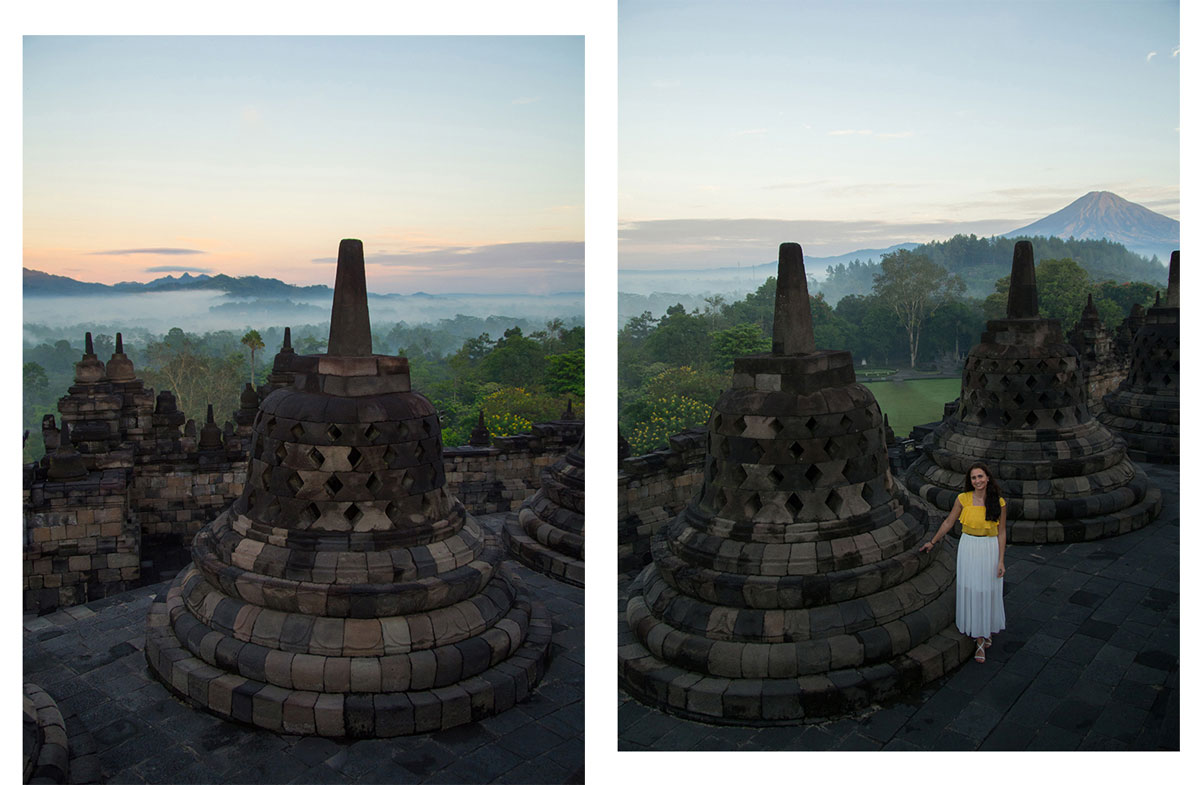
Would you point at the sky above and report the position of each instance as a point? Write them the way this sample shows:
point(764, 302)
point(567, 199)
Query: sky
point(851, 125)
point(458, 161)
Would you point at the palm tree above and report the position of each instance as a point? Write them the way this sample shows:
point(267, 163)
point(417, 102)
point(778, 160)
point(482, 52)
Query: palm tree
point(254, 342)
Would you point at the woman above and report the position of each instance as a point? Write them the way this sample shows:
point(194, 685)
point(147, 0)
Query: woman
point(980, 595)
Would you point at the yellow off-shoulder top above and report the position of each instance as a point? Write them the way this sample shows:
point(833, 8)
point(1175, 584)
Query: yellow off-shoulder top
point(972, 517)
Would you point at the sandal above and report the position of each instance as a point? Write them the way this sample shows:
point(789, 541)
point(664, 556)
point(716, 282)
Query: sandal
point(987, 643)
point(979, 647)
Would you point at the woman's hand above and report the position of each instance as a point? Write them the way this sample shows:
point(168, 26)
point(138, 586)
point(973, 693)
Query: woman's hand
point(927, 547)
point(1000, 569)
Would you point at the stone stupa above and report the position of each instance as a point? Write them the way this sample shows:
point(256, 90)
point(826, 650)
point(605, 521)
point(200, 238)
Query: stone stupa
point(791, 588)
point(1144, 409)
point(346, 593)
point(1023, 411)
point(547, 532)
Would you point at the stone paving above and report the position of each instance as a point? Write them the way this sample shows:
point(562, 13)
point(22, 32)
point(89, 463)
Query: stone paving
point(89, 658)
point(1090, 660)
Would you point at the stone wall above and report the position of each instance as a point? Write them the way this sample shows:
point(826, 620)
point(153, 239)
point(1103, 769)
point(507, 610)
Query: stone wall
point(178, 496)
point(652, 489)
point(499, 478)
point(80, 543)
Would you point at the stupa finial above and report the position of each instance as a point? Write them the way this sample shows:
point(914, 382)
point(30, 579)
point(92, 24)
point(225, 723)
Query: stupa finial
point(793, 331)
point(350, 323)
point(1022, 286)
point(1173, 281)
point(87, 344)
point(287, 339)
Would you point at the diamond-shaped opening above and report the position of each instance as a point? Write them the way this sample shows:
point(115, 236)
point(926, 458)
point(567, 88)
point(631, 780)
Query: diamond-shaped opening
point(1031, 419)
point(753, 505)
point(418, 451)
point(280, 452)
point(812, 473)
point(1004, 381)
point(776, 477)
point(271, 423)
point(371, 433)
point(294, 482)
point(811, 424)
point(793, 505)
point(317, 457)
point(1019, 399)
point(310, 514)
point(775, 425)
point(796, 450)
point(1030, 382)
point(355, 457)
point(834, 502)
point(720, 498)
point(738, 474)
point(373, 483)
point(297, 431)
point(333, 485)
point(716, 422)
point(353, 513)
point(846, 422)
point(391, 510)
point(739, 425)
point(1059, 417)
point(407, 481)
point(333, 432)
point(389, 455)
point(427, 426)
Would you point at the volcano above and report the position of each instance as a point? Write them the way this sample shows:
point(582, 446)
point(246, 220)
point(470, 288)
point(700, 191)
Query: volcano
point(1104, 215)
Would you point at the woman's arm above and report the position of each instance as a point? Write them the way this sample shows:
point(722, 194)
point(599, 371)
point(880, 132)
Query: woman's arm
point(945, 527)
point(1001, 533)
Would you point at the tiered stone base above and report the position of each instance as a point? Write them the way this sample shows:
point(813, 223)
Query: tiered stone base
point(735, 700)
point(375, 694)
point(1149, 424)
point(547, 533)
point(47, 747)
point(810, 646)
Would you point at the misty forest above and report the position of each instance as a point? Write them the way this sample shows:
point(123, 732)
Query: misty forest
point(921, 309)
point(524, 374)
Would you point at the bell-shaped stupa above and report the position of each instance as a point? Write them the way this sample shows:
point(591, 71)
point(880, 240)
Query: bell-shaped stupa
point(1023, 411)
point(792, 586)
point(346, 593)
point(547, 533)
point(1144, 409)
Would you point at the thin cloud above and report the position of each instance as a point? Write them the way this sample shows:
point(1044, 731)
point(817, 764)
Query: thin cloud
point(152, 251)
point(868, 132)
point(895, 135)
point(849, 132)
point(522, 256)
point(1152, 54)
point(178, 269)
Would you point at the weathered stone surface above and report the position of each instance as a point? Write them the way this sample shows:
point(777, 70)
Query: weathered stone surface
point(1023, 410)
point(345, 568)
point(768, 596)
point(547, 532)
point(1144, 409)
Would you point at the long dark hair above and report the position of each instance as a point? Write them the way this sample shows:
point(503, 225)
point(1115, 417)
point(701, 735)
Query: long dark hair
point(991, 494)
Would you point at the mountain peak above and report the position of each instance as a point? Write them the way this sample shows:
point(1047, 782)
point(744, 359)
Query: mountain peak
point(1103, 215)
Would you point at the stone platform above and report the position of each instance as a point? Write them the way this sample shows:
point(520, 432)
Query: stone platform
point(90, 660)
point(1089, 661)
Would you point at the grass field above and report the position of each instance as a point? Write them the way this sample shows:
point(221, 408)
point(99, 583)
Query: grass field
point(913, 402)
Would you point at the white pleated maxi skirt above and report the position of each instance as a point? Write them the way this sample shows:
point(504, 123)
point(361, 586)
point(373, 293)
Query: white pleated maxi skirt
point(979, 610)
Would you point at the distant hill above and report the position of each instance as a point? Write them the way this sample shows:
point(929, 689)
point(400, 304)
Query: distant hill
point(1102, 215)
point(39, 284)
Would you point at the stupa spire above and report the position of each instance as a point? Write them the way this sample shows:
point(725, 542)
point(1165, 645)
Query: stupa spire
point(1173, 281)
point(793, 331)
point(1022, 287)
point(349, 322)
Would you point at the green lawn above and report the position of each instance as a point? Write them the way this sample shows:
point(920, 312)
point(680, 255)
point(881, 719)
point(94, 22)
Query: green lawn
point(913, 402)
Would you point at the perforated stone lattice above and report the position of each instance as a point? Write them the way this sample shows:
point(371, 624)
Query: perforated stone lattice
point(547, 533)
point(791, 588)
point(1023, 410)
